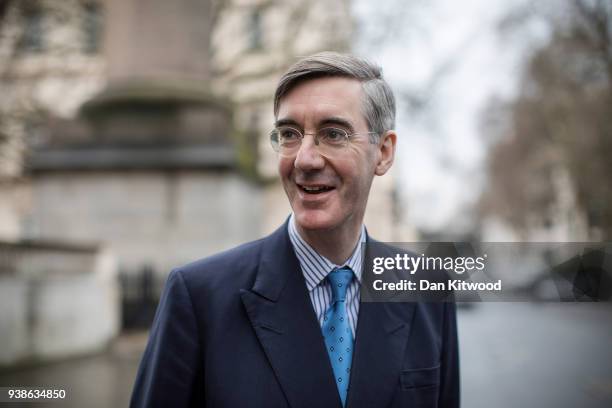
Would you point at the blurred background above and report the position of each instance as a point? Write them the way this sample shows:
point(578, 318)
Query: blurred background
point(134, 138)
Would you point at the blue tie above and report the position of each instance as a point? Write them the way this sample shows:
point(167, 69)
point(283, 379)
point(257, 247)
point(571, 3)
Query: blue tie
point(337, 331)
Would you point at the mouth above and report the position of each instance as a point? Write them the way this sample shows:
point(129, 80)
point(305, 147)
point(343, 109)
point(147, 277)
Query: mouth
point(315, 189)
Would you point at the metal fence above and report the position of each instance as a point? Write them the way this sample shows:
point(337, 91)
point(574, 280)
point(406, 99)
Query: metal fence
point(140, 292)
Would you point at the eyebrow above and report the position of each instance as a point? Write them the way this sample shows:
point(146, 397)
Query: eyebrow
point(332, 120)
point(335, 120)
point(286, 122)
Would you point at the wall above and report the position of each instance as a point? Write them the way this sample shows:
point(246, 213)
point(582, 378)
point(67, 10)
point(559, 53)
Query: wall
point(56, 301)
point(163, 219)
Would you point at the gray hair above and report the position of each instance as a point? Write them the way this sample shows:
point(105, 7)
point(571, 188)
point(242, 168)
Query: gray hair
point(379, 102)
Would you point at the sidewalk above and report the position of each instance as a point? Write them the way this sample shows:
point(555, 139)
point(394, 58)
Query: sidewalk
point(104, 380)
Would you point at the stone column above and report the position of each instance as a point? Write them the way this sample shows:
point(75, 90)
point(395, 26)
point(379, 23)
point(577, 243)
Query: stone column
point(161, 39)
point(158, 110)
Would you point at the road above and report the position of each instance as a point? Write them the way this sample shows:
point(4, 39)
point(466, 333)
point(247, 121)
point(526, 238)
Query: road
point(512, 355)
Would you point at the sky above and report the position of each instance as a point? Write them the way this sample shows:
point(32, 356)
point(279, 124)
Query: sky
point(445, 60)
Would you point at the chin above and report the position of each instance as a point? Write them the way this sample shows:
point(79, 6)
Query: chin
point(312, 220)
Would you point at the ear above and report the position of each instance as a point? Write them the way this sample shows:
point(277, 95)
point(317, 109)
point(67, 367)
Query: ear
point(386, 148)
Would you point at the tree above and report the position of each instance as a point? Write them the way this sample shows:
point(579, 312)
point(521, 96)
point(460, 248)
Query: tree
point(560, 121)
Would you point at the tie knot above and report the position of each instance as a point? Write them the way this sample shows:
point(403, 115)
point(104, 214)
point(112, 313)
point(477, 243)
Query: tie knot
point(340, 280)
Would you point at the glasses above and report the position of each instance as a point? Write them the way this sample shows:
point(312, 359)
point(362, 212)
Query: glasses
point(286, 140)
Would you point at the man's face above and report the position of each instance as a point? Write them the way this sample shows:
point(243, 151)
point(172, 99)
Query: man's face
point(346, 176)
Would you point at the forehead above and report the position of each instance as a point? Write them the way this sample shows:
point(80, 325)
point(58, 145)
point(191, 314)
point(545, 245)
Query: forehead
point(320, 98)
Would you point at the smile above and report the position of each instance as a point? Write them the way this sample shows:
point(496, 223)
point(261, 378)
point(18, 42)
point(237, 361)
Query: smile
point(315, 189)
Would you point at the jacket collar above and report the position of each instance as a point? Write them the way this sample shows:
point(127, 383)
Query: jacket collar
point(281, 313)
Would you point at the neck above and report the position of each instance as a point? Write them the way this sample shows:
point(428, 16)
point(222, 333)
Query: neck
point(336, 244)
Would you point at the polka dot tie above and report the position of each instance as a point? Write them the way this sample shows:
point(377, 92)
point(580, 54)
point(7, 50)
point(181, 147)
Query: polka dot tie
point(337, 331)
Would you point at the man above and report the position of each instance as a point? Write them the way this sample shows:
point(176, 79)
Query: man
point(278, 322)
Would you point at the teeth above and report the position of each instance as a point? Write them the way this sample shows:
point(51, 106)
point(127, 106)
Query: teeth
point(315, 189)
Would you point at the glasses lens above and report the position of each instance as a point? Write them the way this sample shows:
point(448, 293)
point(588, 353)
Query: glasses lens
point(289, 139)
point(333, 137)
point(274, 140)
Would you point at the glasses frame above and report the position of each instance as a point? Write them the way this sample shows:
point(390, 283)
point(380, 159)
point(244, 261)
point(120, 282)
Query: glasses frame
point(276, 146)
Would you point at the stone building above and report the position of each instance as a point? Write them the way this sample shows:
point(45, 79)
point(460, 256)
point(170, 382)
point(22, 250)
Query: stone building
point(134, 137)
point(143, 125)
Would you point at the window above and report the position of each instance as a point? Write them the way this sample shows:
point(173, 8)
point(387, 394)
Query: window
point(92, 28)
point(32, 36)
point(3, 7)
point(255, 32)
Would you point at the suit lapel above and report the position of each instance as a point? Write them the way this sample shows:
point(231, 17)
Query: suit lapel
point(380, 344)
point(282, 316)
point(381, 338)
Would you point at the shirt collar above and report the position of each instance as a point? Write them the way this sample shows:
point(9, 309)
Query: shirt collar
point(315, 267)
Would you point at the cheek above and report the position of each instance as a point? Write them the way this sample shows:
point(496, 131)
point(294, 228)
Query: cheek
point(357, 177)
point(352, 180)
point(356, 171)
point(285, 167)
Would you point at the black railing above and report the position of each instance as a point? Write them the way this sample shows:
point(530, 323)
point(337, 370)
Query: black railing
point(140, 293)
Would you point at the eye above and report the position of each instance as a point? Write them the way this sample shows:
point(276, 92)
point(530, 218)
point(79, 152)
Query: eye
point(288, 134)
point(333, 135)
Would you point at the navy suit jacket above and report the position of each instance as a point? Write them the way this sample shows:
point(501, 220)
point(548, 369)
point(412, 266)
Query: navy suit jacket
point(238, 330)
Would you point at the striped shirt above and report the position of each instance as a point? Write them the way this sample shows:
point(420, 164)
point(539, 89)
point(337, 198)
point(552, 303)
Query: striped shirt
point(315, 269)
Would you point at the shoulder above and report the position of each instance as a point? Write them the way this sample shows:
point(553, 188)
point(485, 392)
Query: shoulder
point(231, 269)
point(234, 265)
point(234, 257)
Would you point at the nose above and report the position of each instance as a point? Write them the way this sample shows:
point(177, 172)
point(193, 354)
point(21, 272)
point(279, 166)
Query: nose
point(308, 157)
